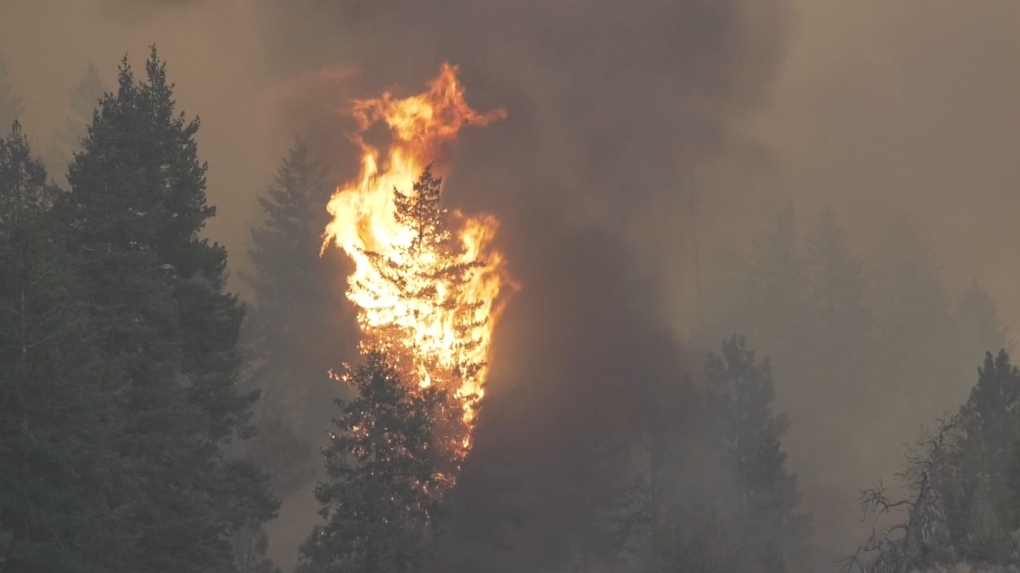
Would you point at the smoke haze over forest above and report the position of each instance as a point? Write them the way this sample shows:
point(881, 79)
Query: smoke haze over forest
point(623, 119)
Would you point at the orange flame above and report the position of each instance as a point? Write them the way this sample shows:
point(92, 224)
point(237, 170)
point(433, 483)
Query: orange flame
point(432, 341)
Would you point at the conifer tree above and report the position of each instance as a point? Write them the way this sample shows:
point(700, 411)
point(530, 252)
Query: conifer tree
point(156, 287)
point(423, 211)
point(58, 398)
point(84, 97)
point(764, 493)
point(913, 329)
point(978, 328)
point(298, 322)
point(381, 500)
point(11, 107)
point(990, 420)
point(837, 340)
point(773, 289)
point(836, 288)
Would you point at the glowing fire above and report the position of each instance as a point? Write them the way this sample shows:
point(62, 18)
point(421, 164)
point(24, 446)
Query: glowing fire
point(436, 324)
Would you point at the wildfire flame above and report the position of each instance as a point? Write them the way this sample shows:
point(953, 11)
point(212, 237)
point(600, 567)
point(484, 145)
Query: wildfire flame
point(438, 330)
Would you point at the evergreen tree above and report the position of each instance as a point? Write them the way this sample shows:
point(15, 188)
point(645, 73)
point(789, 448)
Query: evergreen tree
point(136, 209)
point(990, 421)
point(423, 211)
point(299, 319)
point(84, 97)
point(837, 341)
point(836, 289)
point(773, 289)
point(764, 493)
point(381, 501)
point(10, 104)
point(914, 329)
point(58, 399)
point(978, 327)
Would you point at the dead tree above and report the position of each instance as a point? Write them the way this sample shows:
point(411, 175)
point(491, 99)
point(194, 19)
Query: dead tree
point(919, 541)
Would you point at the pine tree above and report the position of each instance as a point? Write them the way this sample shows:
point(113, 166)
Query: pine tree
point(156, 287)
point(299, 319)
point(773, 288)
point(381, 501)
point(977, 326)
point(423, 211)
point(914, 330)
point(58, 399)
point(990, 420)
point(764, 493)
point(84, 97)
point(10, 104)
point(837, 341)
point(836, 287)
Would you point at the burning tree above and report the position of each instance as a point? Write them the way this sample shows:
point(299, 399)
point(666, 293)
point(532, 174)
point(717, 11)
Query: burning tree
point(427, 293)
point(383, 495)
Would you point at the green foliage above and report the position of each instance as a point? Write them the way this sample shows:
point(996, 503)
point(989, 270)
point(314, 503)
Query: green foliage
point(58, 399)
point(381, 501)
point(990, 422)
point(764, 493)
point(167, 326)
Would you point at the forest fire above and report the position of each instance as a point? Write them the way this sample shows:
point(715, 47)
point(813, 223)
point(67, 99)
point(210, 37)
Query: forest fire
point(426, 283)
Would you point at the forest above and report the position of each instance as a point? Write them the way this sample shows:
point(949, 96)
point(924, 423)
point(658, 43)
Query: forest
point(152, 420)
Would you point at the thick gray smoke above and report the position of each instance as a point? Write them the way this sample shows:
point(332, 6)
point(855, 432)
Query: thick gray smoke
point(610, 107)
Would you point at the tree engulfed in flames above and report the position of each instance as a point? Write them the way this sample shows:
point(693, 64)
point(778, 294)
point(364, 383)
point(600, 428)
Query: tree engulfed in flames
point(428, 294)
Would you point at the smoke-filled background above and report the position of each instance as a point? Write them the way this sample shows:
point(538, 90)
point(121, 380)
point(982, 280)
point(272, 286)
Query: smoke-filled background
point(647, 144)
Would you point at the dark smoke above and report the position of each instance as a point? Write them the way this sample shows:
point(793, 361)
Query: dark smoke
point(610, 105)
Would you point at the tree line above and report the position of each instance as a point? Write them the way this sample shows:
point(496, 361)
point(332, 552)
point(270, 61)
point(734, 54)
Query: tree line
point(150, 421)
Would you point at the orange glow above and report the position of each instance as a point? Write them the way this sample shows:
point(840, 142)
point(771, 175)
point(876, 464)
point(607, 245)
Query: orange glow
point(438, 330)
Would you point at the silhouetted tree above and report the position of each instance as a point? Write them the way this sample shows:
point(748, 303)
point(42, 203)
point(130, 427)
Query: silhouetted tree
point(157, 289)
point(299, 320)
point(919, 538)
point(58, 398)
point(990, 422)
point(764, 493)
point(381, 501)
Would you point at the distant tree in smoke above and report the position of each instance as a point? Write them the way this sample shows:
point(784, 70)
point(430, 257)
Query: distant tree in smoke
point(978, 327)
point(766, 300)
point(838, 335)
point(381, 499)
point(11, 107)
point(914, 328)
point(763, 493)
point(296, 326)
point(84, 98)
